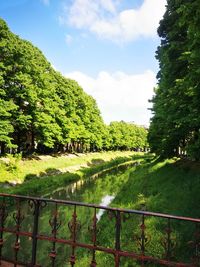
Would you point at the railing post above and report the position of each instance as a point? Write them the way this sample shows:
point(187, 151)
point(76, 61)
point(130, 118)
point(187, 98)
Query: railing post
point(74, 226)
point(117, 238)
point(18, 218)
point(3, 216)
point(93, 229)
point(118, 230)
point(168, 253)
point(196, 245)
point(55, 224)
point(143, 236)
point(35, 231)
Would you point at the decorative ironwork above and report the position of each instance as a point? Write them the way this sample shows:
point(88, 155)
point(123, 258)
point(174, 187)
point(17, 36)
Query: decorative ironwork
point(117, 215)
point(168, 242)
point(3, 216)
point(18, 218)
point(36, 205)
point(93, 230)
point(195, 244)
point(55, 224)
point(142, 240)
point(74, 226)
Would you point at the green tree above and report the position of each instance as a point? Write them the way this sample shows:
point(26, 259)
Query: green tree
point(171, 126)
point(40, 109)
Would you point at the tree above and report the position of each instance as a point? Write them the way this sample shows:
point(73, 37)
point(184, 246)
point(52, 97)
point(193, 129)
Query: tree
point(173, 124)
point(127, 136)
point(44, 111)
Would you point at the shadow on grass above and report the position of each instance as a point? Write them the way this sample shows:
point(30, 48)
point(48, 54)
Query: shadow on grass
point(159, 187)
point(47, 172)
point(166, 187)
point(52, 177)
point(95, 165)
point(96, 162)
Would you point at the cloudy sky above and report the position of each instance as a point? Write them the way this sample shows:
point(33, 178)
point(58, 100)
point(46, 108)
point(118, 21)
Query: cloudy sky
point(108, 46)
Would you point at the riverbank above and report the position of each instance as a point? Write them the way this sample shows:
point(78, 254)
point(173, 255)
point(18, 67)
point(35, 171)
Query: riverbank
point(38, 183)
point(171, 187)
point(15, 169)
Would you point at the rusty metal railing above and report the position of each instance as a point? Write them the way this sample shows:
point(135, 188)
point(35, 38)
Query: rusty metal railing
point(46, 232)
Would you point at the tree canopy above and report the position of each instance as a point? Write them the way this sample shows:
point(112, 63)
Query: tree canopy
point(41, 110)
point(175, 126)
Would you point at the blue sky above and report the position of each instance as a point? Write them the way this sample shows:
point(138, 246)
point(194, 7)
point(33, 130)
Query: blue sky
point(108, 46)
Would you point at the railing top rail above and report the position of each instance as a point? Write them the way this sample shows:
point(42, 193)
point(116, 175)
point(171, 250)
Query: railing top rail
point(67, 202)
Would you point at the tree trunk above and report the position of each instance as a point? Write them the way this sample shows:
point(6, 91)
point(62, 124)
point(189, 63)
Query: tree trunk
point(3, 146)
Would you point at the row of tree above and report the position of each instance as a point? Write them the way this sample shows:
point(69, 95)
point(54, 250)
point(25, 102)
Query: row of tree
point(40, 110)
point(175, 126)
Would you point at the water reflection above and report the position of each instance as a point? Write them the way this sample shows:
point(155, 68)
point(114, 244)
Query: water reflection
point(97, 189)
point(104, 202)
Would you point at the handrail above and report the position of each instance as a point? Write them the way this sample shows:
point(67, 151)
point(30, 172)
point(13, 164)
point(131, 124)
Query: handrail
point(14, 205)
point(67, 202)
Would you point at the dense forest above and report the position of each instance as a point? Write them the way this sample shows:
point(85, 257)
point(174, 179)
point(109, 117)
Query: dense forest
point(42, 111)
point(175, 126)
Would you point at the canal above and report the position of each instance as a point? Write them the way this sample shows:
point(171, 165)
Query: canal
point(99, 190)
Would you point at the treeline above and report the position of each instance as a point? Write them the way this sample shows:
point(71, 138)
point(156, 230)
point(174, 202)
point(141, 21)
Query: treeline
point(175, 126)
point(40, 110)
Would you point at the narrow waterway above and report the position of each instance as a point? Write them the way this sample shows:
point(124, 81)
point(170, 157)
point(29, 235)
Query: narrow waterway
point(99, 190)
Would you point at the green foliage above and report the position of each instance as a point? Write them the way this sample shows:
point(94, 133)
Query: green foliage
point(40, 110)
point(164, 187)
point(13, 162)
point(135, 188)
point(127, 136)
point(10, 168)
point(49, 180)
point(40, 166)
point(175, 126)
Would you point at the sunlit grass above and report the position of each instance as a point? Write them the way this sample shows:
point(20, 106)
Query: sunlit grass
point(170, 186)
point(18, 170)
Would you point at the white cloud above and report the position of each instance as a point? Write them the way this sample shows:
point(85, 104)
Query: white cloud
point(120, 96)
point(68, 39)
point(46, 2)
point(102, 18)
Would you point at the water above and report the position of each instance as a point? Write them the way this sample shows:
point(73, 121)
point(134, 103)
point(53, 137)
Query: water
point(100, 191)
point(103, 191)
point(106, 200)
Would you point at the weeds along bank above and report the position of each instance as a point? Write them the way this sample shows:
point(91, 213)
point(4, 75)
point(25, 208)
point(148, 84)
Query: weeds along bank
point(153, 183)
point(45, 173)
point(170, 186)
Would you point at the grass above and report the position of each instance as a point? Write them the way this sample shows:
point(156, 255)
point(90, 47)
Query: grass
point(14, 169)
point(166, 187)
point(170, 186)
point(99, 164)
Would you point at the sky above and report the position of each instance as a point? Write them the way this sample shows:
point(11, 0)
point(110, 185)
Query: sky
point(107, 46)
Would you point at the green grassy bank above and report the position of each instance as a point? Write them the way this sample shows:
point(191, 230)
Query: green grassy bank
point(17, 169)
point(170, 186)
point(37, 178)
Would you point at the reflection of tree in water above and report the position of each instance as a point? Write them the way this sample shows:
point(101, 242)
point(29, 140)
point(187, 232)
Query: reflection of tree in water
point(90, 191)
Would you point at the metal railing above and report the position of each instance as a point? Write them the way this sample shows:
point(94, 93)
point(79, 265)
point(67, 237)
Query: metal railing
point(46, 232)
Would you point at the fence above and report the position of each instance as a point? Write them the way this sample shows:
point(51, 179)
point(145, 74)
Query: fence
point(47, 232)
